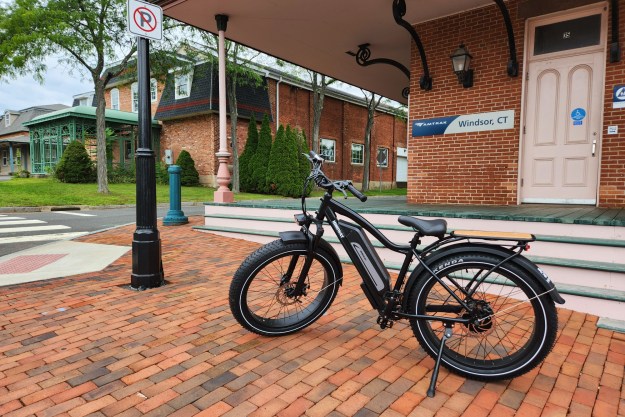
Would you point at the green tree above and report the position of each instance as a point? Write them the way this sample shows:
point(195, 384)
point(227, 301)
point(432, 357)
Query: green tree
point(283, 168)
point(188, 174)
point(84, 34)
point(261, 157)
point(304, 163)
point(245, 171)
point(372, 104)
point(75, 166)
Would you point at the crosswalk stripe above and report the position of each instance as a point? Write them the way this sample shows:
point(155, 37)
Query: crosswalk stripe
point(3, 218)
point(73, 213)
point(16, 222)
point(41, 238)
point(31, 229)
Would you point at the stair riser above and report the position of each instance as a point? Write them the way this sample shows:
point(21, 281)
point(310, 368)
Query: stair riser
point(538, 248)
point(597, 279)
point(542, 228)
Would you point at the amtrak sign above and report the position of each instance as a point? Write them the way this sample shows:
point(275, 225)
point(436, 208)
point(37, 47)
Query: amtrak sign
point(498, 120)
point(618, 97)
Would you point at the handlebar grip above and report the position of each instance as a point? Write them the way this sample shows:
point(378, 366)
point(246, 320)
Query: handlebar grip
point(357, 193)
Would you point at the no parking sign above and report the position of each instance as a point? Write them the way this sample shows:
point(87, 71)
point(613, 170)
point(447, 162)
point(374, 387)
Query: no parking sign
point(145, 19)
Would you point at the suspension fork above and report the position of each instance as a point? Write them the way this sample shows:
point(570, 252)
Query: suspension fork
point(313, 240)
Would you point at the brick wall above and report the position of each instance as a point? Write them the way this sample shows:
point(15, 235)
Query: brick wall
point(345, 123)
point(483, 167)
point(342, 121)
point(468, 168)
point(125, 97)
point(612, 178)
point(198, 135)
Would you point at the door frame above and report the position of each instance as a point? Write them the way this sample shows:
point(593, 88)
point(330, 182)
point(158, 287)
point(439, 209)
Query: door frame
point(601, 8)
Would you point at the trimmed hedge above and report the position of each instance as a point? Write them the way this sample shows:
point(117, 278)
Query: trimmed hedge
point(245, 160)
point(260, 159)
point(75, 166)
point(188, 175)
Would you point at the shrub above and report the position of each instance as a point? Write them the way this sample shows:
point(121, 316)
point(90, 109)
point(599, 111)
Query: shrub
point(122, 174)
point(245, 161)
point(22, 173)
point(283, 176)
point(261, 158)
point(188, 174)
point(304, 163)
point(75, 165)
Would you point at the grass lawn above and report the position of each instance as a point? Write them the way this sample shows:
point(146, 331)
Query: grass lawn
point(37, 192)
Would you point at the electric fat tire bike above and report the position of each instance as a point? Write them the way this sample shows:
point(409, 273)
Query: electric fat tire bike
point(475, 304)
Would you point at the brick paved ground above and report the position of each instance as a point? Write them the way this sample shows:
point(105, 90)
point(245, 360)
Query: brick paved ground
point(87, 345)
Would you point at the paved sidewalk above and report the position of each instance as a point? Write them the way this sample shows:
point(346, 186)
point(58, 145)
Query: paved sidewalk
point(87, 345)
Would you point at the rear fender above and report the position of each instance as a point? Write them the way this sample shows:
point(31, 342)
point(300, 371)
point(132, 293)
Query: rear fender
point(521, 262)
point(298, 236)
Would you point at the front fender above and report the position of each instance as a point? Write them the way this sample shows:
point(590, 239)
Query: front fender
point(298, 236)
point(521, 262)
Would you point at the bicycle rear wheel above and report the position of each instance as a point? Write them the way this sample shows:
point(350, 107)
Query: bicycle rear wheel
point(513, 324)
point(261, 292)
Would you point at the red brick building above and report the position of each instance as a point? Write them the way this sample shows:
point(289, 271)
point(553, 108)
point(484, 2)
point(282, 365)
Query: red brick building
point(548, 156)
point(190, 121)
point(551, 71)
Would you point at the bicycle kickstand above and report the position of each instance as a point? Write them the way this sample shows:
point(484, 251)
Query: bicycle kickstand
point(446, 335)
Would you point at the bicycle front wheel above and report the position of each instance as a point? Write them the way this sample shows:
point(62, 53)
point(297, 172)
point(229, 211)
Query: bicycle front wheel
point(512, 323)
point(262, 297)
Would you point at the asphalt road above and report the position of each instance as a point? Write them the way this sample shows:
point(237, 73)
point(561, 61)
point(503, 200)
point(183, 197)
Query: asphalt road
point(20, 231)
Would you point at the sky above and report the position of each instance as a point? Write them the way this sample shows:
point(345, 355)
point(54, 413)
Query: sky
point(60, 85)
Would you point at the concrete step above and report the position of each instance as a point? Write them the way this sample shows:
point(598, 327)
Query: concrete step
point(584, 261)
point(600, 252)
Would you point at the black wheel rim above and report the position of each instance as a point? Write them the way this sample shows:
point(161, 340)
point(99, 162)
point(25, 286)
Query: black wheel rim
point(501, 332)
point(268, 296)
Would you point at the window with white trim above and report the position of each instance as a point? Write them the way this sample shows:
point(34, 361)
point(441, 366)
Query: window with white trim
point(115, 99)
point(327, 148)
point(358, 153)
point(83, 101)
point(18, 157)
point(7, 119)
point(5, 158)
point(182, 85)
point(153, 90)
point(382, 157)
point(134, 95)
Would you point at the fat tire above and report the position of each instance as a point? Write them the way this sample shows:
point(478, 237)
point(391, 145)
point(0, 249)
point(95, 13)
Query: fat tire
point(256, 263)
point(533, 352)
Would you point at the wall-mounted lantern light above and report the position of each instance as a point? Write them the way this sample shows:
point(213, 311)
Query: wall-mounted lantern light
point(461, 60)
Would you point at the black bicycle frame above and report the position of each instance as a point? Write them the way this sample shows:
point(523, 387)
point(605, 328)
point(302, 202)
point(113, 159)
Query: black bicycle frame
point(382, 302)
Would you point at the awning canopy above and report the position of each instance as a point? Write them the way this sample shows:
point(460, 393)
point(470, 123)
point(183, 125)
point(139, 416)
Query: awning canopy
point(318, 34)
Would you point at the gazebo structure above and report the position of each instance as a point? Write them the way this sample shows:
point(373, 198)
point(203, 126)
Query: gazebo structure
point(51, 133)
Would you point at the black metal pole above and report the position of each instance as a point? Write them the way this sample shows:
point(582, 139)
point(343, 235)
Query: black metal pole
point(146, 245)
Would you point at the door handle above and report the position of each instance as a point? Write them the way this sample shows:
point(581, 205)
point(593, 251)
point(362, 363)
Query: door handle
point(594, 147)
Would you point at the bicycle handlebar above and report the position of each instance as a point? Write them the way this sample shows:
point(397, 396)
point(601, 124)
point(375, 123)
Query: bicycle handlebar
point(324, 182)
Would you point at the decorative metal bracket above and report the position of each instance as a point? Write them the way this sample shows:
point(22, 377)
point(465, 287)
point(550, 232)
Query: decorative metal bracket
point(513, 65)
point(615, 48)
point(399, 10)
point(363, 59)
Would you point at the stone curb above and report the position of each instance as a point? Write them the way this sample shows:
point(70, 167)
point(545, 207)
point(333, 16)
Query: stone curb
point(81, 207)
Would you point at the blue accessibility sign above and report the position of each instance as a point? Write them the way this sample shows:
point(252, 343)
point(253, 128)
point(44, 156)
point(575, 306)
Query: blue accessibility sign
point(578, 114)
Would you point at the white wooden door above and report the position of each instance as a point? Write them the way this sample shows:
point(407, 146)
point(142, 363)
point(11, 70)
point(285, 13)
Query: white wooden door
point(562, 130)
